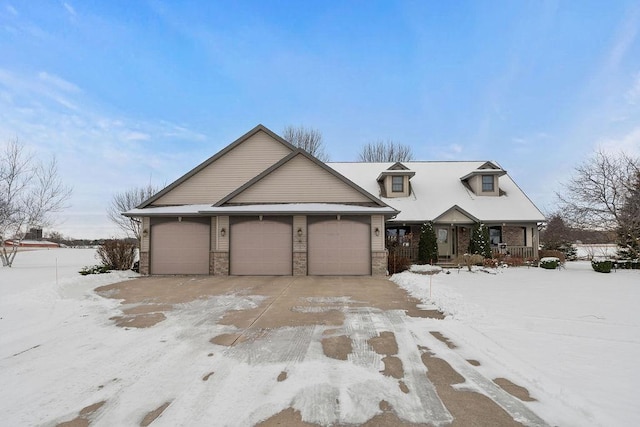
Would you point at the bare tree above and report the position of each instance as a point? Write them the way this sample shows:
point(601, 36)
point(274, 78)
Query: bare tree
point(310, 140)
point(126, 201)
point(30, 191)
point(596, 193)
point(386, 151)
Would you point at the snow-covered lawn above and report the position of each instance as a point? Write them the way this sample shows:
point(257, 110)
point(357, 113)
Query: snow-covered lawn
point(572, 335)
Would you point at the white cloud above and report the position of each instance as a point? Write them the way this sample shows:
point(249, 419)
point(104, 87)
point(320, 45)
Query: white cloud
point(633, 95)
point(456, 148)
point(629, 143)
point(58, 82)
point(136, 136)
point(98, 154)
point(69, 9)
point(624, 38)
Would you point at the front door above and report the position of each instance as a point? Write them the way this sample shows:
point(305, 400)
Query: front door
point(443, 235)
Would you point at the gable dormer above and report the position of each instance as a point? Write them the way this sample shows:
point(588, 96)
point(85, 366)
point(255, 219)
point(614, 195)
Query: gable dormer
point(394, 182)
point(485, 180)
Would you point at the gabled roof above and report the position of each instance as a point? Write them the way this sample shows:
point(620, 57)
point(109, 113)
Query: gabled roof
point(218, 155)
point(487, 168)
point(396, 169)
point(455, 214)
point(397, 166)
point(489, 165)
point(436, 188)
point(279, 166)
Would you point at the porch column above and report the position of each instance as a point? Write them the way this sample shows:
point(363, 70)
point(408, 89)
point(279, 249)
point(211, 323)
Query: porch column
point(299, 245)
point(379, 254)
point(219, 256)
point(143, 265)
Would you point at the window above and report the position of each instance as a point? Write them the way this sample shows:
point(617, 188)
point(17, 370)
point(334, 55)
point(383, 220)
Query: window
point(399, 236)
point(487, 183)
point(495, 235)
point(397, 184)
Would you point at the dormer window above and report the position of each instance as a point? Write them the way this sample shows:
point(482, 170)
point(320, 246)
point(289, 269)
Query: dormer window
point(485, 180)
point(394, 182)
point(397, 184)
point(487, 183)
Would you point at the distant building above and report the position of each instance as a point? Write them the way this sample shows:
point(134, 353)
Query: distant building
point(34, 234)
point(32, 244)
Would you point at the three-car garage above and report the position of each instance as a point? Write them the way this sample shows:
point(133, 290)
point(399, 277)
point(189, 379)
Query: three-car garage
point(264, 245)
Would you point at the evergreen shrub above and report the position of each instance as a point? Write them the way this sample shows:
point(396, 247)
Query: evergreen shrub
point(428, 244)
point(94, 269)
point(602, 266)
point(550, 263)
point(479, 243)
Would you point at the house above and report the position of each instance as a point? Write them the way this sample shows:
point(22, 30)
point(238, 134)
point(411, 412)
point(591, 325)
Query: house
point(261, 206)
point(455, 195)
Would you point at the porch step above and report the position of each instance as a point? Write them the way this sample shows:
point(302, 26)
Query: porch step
point(447, 264)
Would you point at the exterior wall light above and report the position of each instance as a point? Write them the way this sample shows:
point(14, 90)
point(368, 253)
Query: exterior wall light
point(299, 231)
point(223, 231)
point(145, 233)
point(377, 231)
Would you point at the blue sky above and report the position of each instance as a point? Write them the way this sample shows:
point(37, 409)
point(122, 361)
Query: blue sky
point(125, 93)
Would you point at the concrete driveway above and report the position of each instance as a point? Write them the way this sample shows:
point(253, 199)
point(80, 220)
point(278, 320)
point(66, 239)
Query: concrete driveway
point(314, 351)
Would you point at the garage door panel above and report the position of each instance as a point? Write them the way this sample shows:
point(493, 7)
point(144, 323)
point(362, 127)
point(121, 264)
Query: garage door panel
point(339, 247)
point(180, 247)
point(261, 247)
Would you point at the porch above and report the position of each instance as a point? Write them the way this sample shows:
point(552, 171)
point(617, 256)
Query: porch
point(411, 252)
point(453, 240)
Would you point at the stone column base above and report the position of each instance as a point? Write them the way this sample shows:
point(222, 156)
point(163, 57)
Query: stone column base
point(219, 263)
point(379, 263)
point(144, 263)
point(299, 263)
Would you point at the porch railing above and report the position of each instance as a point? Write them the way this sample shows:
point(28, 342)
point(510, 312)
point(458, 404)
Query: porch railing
point(524, 252)
point(411, 252)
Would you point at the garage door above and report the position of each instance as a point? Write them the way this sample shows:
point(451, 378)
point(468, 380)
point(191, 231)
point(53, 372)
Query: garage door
point(339, 247)
point(180, 247)
point(261, 247)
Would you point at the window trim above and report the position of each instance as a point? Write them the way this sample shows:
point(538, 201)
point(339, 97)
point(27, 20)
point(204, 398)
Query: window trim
point(394, 184)
point(485, 185)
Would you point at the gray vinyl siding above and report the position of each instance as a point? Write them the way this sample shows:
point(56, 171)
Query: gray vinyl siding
point(223, 241)
point(377, 242)
point(300, 181)
point(227, 173)
point(144, 241)
point(454, 216)
point(214, 233)
point(299, 242)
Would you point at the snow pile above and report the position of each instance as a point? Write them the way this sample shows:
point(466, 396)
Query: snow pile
point(569, 335)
